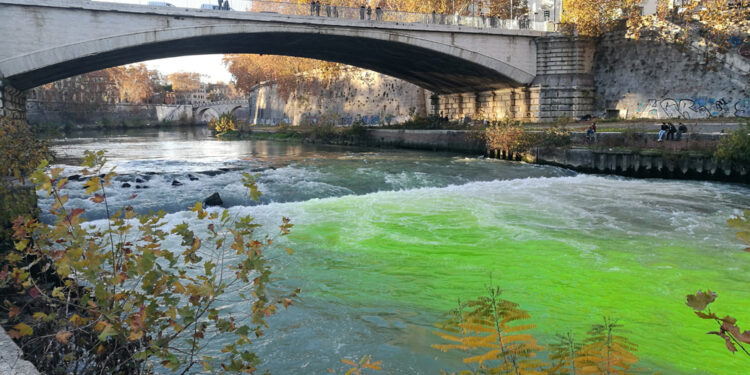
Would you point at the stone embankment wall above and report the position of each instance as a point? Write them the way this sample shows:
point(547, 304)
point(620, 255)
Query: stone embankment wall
point(684, 159)
point(85, 115)
point(563, 88)
point(349, 96)
point(656, 77)
point(12, 102)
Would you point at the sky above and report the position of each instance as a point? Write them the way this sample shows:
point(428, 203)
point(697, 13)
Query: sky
point(209, 66)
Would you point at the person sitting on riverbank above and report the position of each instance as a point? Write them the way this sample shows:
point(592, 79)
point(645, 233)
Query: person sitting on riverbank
point(672, 130)
point(664, 128)
point(591, 133)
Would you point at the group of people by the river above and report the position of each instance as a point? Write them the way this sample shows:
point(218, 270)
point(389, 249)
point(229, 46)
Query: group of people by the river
point(669, 132)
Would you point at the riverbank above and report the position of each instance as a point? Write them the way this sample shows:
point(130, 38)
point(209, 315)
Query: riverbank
point(629, 153)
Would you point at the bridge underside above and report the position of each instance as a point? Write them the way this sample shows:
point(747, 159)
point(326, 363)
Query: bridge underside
point(435, 71)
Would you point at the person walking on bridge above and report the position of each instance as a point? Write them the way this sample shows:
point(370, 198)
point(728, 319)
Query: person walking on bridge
point(221, 4)
point(369, 13)
point(378, 13)
point(312, 7)
point(328, 10)
point(335, 12)
point(317, 8)
point(362, 12)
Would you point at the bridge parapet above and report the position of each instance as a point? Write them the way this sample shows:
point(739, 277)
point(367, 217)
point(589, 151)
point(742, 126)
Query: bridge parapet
point(462, 19)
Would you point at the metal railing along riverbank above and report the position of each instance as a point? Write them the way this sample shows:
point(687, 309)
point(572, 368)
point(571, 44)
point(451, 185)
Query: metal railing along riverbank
point(333, 11)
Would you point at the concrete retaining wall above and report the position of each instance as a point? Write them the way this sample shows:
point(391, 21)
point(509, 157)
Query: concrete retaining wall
point(637, 164)
point(655, 77)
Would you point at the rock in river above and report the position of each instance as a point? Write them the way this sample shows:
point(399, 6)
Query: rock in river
point(213, 200)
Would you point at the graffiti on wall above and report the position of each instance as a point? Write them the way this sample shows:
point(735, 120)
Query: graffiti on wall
point(694, 108)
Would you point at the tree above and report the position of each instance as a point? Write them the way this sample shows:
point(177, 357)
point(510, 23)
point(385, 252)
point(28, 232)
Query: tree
point(134, 82)
point(502, 9)
point(592, 18)
point(284, 71)
point(183, 81)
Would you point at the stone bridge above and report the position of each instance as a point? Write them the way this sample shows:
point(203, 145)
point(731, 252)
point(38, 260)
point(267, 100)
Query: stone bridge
point(47, 40)
point(208, 111)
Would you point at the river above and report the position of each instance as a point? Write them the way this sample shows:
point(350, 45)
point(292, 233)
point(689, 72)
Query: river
point(386, 240)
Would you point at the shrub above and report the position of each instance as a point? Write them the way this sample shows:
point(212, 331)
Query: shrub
point(121, 299)
point(506, 135)
point(20, 150)
point(225, 123)
point(736, 146)
point(555, 136)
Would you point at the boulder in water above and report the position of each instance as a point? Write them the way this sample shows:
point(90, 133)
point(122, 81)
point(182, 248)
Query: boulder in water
point(140, 181)
point(176, 183)
point(75, 177)
point(126, 185)
point(192, 178)
point(213, 200)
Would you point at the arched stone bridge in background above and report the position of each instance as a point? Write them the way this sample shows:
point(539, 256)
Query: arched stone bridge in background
point(212, 110)
point(47, 40)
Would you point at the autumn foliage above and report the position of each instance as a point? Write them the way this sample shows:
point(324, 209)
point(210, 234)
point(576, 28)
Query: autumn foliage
point(700, 302)
point(496, 339)
point(120, 300)
point(185, 81)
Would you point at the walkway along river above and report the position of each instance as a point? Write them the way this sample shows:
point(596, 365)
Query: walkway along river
point(386, 240)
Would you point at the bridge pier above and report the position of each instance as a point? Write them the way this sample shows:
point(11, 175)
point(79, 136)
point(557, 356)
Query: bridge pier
point(12, 102)
point(563, 88)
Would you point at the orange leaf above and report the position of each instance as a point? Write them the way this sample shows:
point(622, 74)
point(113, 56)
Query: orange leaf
point(135, 335)
point(97, 198)
point(63, 336)
point(15, 310)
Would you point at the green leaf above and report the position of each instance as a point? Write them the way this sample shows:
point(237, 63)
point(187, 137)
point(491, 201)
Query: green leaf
point(107, 332)
point(23, 329)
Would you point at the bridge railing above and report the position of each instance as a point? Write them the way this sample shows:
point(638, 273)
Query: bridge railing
point(330, 11)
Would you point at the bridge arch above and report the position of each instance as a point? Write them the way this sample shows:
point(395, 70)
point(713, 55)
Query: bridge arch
point(231, 112)
point(439, 67)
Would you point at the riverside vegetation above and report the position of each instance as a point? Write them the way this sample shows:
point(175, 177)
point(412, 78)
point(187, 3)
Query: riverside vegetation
point(74, 294)
point(117, 299)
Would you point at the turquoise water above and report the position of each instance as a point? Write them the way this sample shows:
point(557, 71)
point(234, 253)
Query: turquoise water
point(387, 240)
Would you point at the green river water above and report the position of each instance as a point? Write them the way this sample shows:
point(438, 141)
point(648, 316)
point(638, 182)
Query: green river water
point(385, 242)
